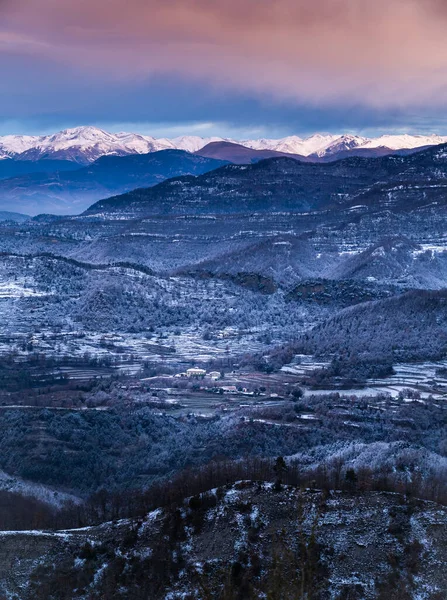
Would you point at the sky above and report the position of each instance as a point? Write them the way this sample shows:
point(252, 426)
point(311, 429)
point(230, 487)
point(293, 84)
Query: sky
point(236, 68)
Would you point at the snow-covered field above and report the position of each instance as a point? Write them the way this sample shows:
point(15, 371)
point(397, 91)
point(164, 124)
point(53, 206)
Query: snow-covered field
point(424, 378)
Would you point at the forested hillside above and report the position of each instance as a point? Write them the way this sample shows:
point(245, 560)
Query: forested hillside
point(408, 327)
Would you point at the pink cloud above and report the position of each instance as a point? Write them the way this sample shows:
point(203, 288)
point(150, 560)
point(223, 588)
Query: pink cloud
point(381, 53)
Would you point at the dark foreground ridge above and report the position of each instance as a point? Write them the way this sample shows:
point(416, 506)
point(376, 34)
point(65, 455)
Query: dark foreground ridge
point(239, 541)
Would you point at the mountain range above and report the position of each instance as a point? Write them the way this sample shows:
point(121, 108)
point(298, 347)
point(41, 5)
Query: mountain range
point(265, 179)
point(10, 167)
point(85, 144)
point(283, 184)
point(68, 192)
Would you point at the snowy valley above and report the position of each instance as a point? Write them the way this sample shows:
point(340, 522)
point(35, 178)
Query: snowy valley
point(278, 329)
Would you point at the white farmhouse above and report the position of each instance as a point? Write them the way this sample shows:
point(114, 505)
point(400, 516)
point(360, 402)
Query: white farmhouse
point(195, 372)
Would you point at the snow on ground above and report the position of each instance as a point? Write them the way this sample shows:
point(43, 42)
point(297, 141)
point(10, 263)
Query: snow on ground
point(41, 492)
point(424, 377)
point(434, 248)
point(17, 290)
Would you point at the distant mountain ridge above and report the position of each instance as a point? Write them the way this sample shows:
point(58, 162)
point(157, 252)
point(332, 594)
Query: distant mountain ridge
point(17, 168)
point(265, 180)
point(320, 146)
point(70, 192)
point(242, 155)
point(283, 184)
point(85, 144)
point(13, 216)
point(270, 185)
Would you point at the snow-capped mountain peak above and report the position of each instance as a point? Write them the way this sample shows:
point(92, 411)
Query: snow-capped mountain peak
point(340, 144)
point(316, 144)
point(142, 144)
point(11, 145)
point(192, 143)
point(78, 136)
point(397, 142)
point(85, 144)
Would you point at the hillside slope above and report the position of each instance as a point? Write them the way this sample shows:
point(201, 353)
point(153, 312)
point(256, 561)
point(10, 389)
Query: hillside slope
point(284, 258)
point(397, 260)
point(399, 183)
point(412, 326)
point(275, 184)
point(238, 542)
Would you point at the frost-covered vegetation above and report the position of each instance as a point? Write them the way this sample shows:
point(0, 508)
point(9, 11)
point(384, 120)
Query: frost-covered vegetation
point(242, 539)
point(88, 449)
point(412, 326)
point(307, 326)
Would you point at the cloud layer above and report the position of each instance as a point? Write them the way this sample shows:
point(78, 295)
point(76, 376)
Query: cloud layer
point(385, 55)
